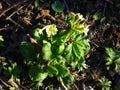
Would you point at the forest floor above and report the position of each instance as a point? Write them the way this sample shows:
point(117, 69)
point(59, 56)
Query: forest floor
point(19, 17)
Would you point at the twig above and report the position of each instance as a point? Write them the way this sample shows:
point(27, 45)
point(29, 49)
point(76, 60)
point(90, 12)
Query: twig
point(61, 81)
point(94, 44)
point(9, 8)
point(76, 87)
point(8, 18)
point(12, 83)
point(15, 12)
point(5, 28)
point(4, 83)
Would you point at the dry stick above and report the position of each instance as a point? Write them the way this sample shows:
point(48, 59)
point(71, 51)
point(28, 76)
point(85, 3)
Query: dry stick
point(12, 83)
point(15, 23)
point(93, 43)
point(6, 1)
point(5, 28)
point(9, 18)
point(76, 87)
point(61, 81)
point(15, 12)
point(4, 83)
point(9, 8)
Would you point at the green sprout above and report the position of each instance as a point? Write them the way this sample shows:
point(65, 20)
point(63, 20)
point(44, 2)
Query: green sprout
point(113, 57)
point(105, 83)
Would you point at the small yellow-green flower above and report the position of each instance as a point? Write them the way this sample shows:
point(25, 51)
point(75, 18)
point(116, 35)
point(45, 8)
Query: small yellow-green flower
point(86, 29)
point(51, 30)
point(80, 17)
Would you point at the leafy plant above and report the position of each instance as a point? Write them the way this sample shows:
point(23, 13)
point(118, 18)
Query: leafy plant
point(61, 50)
point(113, 57)
point(105, 83)
point(12, 71)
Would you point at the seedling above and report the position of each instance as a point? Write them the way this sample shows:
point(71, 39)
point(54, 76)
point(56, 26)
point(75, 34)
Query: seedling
point(105, 83)
point(113, 57)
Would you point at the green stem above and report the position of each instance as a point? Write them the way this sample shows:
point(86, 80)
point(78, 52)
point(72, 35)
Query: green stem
point(67, 35)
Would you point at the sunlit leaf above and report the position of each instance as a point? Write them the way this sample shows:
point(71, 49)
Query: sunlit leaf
point(37, 74)
point(46, 49)
point(77, 49)
point(60, 48)
point(52, 71)
point(62, 70)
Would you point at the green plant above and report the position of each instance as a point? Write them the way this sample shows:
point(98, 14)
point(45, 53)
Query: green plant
point(60, 50)
point(113, 57)
point(105, 83)
point(12, 71)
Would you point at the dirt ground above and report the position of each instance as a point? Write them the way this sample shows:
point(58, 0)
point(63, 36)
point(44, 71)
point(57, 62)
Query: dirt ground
point(19, 17)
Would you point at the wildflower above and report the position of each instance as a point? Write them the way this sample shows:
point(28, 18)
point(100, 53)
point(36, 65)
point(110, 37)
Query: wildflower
point(80, 17)
point(86, 29)
point(51, 30)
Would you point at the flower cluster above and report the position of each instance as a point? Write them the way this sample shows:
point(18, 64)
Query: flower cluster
point(51, 30)
point(76, 22)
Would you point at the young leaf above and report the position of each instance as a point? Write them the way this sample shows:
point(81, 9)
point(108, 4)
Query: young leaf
point(69, 52)
point(81, 65)
point(36, 3)
point(46, 49)
point(57, 6)
point(117, 64)
point(68, 79)
point(36, 34)
point(27, 50)
point(62, 70)
point(52, 71)
point(77, 49)
point(60, 48)
point(37, 74)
